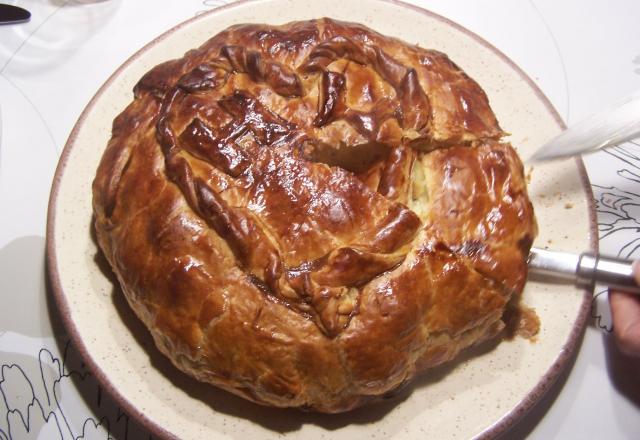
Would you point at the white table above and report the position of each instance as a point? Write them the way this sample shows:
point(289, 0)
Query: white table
point(583, 54)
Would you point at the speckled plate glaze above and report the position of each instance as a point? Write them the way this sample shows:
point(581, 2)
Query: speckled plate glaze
point(481, 394)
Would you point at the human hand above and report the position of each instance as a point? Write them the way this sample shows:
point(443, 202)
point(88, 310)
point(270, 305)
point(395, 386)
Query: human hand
point(625, 311)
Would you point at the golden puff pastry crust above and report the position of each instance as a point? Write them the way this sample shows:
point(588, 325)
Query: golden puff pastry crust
point(309, 215)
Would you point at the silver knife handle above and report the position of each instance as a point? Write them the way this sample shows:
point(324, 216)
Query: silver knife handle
point(615, 273)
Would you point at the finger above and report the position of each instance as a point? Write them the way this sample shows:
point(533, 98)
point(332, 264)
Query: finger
point(636, 271)
point(625, 311)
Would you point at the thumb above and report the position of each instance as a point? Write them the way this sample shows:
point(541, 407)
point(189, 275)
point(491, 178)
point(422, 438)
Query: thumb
point(625, 311)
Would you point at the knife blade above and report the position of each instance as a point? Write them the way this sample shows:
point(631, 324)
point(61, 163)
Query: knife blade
point(10, 14)
point(614, 125)
point(584, 269)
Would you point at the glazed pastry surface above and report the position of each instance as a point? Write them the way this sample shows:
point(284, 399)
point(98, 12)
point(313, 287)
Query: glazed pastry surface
point(309, 215)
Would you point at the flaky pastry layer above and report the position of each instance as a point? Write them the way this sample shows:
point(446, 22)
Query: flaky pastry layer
point(310, 214)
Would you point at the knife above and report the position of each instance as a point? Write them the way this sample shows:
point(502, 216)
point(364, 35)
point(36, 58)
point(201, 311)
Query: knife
point(10, 14)
point(614, 125)
point(584, 269)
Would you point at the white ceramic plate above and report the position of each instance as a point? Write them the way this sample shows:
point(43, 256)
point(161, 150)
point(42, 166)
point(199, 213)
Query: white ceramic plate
point(483, 393)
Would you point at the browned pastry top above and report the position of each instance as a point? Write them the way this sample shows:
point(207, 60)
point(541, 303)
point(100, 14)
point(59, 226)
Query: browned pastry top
point(310, 214)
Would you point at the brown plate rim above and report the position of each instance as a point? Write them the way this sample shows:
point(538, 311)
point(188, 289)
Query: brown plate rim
point(501, 426)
